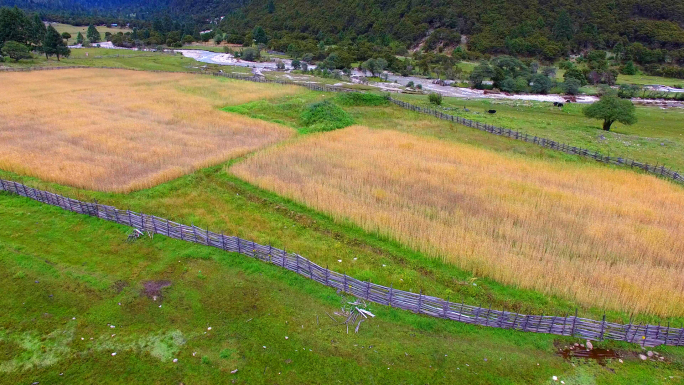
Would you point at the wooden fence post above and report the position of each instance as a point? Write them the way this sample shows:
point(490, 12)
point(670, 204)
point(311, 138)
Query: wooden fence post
point(603, 326)
point(574, 320)
point(420, 301)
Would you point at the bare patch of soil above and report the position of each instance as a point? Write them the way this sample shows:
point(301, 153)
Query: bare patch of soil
point(153, 289)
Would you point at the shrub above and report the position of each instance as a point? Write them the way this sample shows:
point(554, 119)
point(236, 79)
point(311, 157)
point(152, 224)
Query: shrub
point(410, 84)
point(419, 86)
point(628, 91)
point(16, 51)
point(361, 99)
point(572, 86)
point(324, 116)
point(540, 84)
point(250, 54)
point(435, 98)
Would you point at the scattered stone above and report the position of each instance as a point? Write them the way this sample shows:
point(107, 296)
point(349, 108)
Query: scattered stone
point(175, 360)
point(554, 378)
point(209, 328)
point(576, 344)
point(112, 326)
point(643, 357)
point(233, 371)
point(286, 337)
point(620, 360)
point(339, 260)
point(264, 347)
point(113, 354)
point(589, 345)
point(649, 353)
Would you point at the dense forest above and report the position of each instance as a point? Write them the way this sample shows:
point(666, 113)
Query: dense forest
point(646, 33)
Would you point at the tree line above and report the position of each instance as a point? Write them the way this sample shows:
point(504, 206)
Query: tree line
point(20, 34)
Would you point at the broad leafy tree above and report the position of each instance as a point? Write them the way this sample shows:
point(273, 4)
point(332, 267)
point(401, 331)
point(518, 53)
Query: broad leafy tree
point(66, 36)
point(79, 38)
point(612, 109)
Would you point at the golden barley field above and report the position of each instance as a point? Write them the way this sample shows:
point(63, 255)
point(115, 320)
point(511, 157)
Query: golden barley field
point(603, 237)
point(118, 130)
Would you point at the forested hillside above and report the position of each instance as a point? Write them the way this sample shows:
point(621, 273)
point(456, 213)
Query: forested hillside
point(523, 27)
point(647, 32)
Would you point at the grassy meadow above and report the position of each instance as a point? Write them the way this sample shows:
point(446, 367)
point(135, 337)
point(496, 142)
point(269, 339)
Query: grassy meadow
point(120, 130)
point(414, 174)
point(607, 238)
point(75, 29)
point(72, 316)
point(657, 137)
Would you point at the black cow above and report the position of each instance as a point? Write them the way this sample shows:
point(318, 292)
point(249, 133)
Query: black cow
point(491, 111)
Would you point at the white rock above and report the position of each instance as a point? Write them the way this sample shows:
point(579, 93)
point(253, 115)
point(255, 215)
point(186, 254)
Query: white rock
point(554, 378)
point(112, 326)
point(643, 357)
point(264, 347)
point(589, 345)
point(620, 360)
point(649, 353)
point(209, 328)
point(175, 360)
point(233, 371)
point(339, 260)
point(286, 337)
point(113, 354)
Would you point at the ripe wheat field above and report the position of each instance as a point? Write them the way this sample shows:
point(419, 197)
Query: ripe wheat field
point(118, 130)
point(603, 237)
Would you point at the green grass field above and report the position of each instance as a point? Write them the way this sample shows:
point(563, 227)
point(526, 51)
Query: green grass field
point(74, 30)
point(142, 60)
point(223, 312)
point(657, 138)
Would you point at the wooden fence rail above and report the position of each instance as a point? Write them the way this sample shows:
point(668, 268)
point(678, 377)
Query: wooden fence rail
point(567, 325)
point(657, 170)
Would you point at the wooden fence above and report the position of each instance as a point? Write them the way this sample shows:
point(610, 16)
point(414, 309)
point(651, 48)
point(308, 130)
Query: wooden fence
point(657, 170)
point(646, 335)
point(661, 170)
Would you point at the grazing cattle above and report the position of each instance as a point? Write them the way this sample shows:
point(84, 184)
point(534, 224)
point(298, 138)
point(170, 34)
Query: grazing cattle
point(491, 111)
point(555, 104)
point(560, 105)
